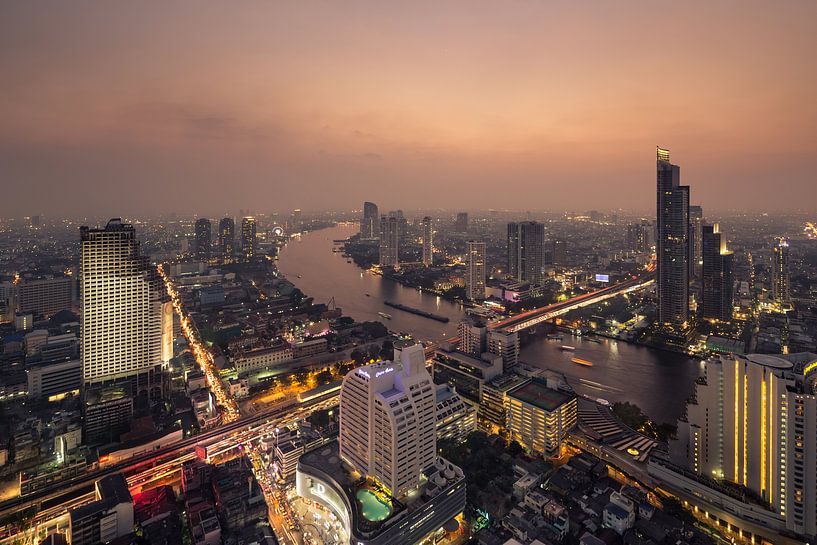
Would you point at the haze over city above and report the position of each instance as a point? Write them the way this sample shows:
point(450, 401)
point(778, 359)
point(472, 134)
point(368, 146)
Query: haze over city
point(207, 106)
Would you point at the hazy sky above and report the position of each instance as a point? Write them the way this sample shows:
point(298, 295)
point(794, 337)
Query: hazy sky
point(123, 107)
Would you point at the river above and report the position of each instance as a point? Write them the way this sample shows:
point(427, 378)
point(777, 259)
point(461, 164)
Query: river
point(659, 382)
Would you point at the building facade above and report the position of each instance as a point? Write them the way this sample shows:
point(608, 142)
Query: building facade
point(370, 222)
point(781, 291)
point(226, 240)
point(389, 241)
point(428, 242)
point(204, 232)
point(672, 251)
point(475, 276)
point(526, 251)
point(249, 242)
point(753, 422)
point(126, 323)
point(716, 275)
point(387, 420)
point(539, 417)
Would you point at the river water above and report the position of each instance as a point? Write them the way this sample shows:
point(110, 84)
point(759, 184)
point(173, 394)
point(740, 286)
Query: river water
point(659, 382)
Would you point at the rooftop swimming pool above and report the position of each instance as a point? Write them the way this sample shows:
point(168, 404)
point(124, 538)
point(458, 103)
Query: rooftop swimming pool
point(373, 508)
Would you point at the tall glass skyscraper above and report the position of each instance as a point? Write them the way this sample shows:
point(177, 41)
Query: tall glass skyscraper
point(248, 240)
point(370, 222)
point(428, 242)
point(389, 240)
point(716, 278)
point(475, 278)
point(526, 251)
point(780, 271)
point(673, 247)
point(126, 324)
point(226, 239)
point(203, 239)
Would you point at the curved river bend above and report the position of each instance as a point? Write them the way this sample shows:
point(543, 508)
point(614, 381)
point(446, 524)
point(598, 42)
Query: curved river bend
point(659, 382)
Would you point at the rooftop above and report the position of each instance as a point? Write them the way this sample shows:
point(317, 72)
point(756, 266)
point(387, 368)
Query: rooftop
point(537, 393)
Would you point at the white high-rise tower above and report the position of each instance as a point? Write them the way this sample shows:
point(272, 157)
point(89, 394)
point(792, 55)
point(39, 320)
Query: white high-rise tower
point(388, 420)
point(126, 323)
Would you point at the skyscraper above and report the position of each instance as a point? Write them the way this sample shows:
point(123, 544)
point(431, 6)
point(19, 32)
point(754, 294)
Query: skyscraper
point(248, 240)
point(475, 278)
point(696, 220)
point(370, 222)
point(389, 241)
point(387, 420)
point(226, 239)
point(203, 239)
point(780, 272)
point(716, 278)
point(461, 225)
point(753, 422)
point(126, 324)
point(526, 251)
point(297, 221)
point(673, 243)
point(428, 243)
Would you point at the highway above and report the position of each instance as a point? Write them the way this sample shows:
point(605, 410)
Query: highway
point(530, 318)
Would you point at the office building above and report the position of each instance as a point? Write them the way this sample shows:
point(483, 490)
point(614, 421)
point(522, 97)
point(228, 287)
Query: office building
point(374, 400)
point(370, 222)
point(461, 223)
point(297, 221)
point(249, 243)
point(466, 374)
point(672, 252)
point(639, 236)
point(41, 298)
point(493, 405)
point(539, 417)
point(473, 334)
point(526, 252)
point(108, 517)
point(716, 276)
point(456, 419)
point(559, 252)
point(389, 241)
point(106, 413)
point(428, 242)
point(126, 323)
point(781, 294)
point(203, 239)
point(504, 344)
point(696, 221)
point(226, 240)
point(753, 423)
point(54, 380)
point(475, 277)
point(382, 478)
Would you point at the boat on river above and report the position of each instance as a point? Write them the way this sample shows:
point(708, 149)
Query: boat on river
point(567, 348)
point(580, 361)
point(384, 315)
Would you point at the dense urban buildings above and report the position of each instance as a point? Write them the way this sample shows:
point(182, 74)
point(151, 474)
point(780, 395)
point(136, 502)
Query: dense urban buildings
point(370, 222)
point(526, 251)
point(716, 279)
point(475, 279)
point(672, 247)
point(126, 315)
point(203, 239)
point(249, 242)
point(428, 242)
point(226, 240)
point(389, 241)
point(752, 423)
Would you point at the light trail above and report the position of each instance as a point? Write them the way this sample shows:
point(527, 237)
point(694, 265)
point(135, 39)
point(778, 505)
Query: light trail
point(203, 356)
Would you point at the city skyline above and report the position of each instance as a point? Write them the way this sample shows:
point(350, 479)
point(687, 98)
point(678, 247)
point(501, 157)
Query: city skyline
point(283, 103)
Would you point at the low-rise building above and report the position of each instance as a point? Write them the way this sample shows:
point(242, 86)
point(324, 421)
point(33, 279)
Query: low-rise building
point(539, 417)
point(455, 418)
point(109, 517)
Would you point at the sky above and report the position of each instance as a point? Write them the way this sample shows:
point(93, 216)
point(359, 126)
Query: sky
point(119, 107)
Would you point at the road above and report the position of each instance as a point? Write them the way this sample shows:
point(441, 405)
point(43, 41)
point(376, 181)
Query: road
point(530, 318)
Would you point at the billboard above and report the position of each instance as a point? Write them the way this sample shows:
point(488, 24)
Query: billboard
point(602, 278)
